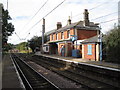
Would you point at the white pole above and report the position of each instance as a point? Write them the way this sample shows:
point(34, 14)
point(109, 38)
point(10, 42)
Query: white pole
point(7, 4)
point(100, 45)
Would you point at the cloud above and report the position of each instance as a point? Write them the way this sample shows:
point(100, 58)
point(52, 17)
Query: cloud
point(22, 11)
point(21, 18)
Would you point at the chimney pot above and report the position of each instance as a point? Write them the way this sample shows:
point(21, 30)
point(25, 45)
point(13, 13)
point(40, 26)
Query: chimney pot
point(69, 21)
point(59, 25)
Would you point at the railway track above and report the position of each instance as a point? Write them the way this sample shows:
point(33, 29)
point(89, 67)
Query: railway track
point(89, 79)
point(31, 79)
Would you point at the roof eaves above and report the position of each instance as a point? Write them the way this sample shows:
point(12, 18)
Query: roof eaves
point(78, 25)
point(50, 32)
point(91, 40)
point(87, 27)
point(59, 41)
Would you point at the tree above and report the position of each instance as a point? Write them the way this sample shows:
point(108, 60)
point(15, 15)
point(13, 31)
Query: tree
point(8, 46)
point(112, 41)
point(36, 42)
point(7, 28)
point(21, 46)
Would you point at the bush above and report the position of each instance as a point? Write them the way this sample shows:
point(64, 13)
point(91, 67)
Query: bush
point(112, 41)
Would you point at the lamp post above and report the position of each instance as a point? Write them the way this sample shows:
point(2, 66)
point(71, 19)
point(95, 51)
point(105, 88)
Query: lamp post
point(74, 38)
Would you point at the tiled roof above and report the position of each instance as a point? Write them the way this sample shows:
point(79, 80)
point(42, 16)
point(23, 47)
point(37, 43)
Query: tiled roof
point(78, 25)
point(49, 32)
point(91, 40)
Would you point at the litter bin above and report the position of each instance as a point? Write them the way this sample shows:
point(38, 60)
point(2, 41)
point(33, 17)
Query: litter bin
point(76, 53)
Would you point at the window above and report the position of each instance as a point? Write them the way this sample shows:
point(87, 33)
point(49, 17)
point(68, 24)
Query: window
point(68, 33)
point(62, 35)
point(52, 36)
point(56, 36)
point(80, 47)
point(46, 48)
point(89, 50)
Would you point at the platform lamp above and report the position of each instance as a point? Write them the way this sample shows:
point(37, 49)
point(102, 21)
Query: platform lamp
point(74, 38)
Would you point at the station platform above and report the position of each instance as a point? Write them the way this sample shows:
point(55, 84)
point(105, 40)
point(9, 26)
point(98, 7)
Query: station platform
point(10, 77)
point(80, 60)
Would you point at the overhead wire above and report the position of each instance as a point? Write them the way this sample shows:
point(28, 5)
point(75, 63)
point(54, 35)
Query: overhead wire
point(101, 22)
point(110, 20)
point(40, 9)
point(46, 15)
point(27, 36)
point(98, 6)
point(21, 38)
point(58, 6)
point(54, 8)
point(35, 14)
point(73, 16)
point(105, 15)
point(90, 9)
point(80, 13)
point(17, 36)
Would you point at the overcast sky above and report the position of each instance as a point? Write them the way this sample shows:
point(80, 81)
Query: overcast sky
point(21, 12)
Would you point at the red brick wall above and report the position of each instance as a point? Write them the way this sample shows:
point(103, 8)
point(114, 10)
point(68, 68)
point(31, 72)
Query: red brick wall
point(72, 32)
point(68, 46)
point(90, 57)
point(59, 35)
point(83, 34)
point(54, 37)
point(65, 34)
point(51, 37)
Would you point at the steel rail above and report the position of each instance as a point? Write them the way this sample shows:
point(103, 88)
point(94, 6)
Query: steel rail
point(24, 79)
point(57, 88)
point(44, 61)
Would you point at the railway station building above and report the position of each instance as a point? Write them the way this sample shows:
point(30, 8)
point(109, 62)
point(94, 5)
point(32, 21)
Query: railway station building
point(79, 39)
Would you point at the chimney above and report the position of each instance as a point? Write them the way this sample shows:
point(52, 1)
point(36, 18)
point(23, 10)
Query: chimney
point(69, 21)
point(86, 17)
point(59, 25)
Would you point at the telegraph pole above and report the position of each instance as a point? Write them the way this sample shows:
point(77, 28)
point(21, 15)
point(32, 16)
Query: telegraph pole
point(43, 31)
point(7, 4)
